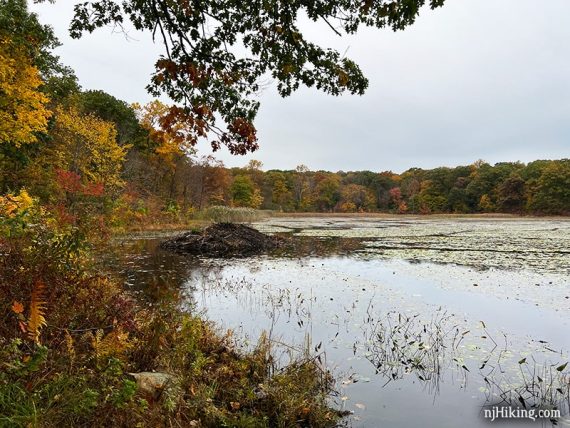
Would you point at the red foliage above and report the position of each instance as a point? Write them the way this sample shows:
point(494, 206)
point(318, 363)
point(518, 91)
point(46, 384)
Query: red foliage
point(94, 189)
point(396, 194)
point(63, 216)
point(68, 181)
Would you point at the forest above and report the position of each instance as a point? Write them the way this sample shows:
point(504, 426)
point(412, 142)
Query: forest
point(79, 167)
point(78, 150)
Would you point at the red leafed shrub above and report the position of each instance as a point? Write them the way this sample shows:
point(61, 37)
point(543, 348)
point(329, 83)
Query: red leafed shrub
point(68, 181)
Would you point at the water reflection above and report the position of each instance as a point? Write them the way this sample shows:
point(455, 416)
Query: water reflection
point(407, 342)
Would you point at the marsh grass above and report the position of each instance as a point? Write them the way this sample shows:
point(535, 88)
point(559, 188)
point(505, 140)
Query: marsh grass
point(223, 214)
point(402, 344)
point(543, 385)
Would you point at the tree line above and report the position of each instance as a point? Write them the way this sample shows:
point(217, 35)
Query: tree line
point(539, 187)
point(88, 155)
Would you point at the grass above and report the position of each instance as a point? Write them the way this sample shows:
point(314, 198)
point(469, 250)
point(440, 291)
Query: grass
point(222, 214)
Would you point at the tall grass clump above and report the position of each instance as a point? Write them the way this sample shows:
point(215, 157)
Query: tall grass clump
point(222, 214)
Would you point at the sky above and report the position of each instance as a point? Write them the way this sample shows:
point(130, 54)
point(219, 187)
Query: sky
point(476, 79)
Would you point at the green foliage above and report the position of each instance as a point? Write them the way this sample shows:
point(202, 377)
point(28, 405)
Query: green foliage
point(244, 193)
point(121, 397)
point(121, 114)
point(551, 191)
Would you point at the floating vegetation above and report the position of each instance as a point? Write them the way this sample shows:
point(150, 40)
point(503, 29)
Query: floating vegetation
point(401, 344)
point(530, 244)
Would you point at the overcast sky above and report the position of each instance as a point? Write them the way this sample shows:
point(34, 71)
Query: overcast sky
point(476, 79)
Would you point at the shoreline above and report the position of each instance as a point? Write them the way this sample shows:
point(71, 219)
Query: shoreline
point(485, 216)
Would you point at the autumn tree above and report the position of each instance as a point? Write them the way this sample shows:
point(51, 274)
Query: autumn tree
point(512, 194)
point(23, 110)
point(301, 186)
point(24, 45)
point(208, 183)
point(31, 81)
point(216, 53)
point(356, 198)
point(171, 149)
point(87, 146)
point(327, 191)
point(281, 195)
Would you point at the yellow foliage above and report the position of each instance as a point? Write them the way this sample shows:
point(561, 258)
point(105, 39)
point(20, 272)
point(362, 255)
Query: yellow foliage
point(115, 344)
point(170, 147)
point(13, 205)
point(485, 203)
point(23, 109)
point(87, 146)
point(256, 199)
point(36, 320)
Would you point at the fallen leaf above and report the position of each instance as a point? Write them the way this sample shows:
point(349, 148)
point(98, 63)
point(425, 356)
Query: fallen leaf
point(17, 307)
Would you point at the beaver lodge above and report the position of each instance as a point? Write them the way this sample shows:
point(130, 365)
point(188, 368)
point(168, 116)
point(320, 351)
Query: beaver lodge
point(222, 239)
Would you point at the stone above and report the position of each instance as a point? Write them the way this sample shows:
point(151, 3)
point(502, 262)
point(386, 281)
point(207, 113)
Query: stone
point(153, 384)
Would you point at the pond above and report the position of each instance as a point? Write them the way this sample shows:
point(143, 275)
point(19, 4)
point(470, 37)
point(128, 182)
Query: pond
point(421, 320)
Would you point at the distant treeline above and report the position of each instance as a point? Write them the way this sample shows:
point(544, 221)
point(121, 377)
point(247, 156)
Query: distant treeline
point(97, 155)
point(539, 187)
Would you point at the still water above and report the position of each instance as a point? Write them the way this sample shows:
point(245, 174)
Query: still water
point(422, 321)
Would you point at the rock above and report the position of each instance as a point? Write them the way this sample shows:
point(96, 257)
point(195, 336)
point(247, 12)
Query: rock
point(154, 384)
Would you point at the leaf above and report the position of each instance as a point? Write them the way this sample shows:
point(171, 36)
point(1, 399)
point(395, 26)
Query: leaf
point(23, 326)
point(36, 320)
point(562, 367)
point(17, 307)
